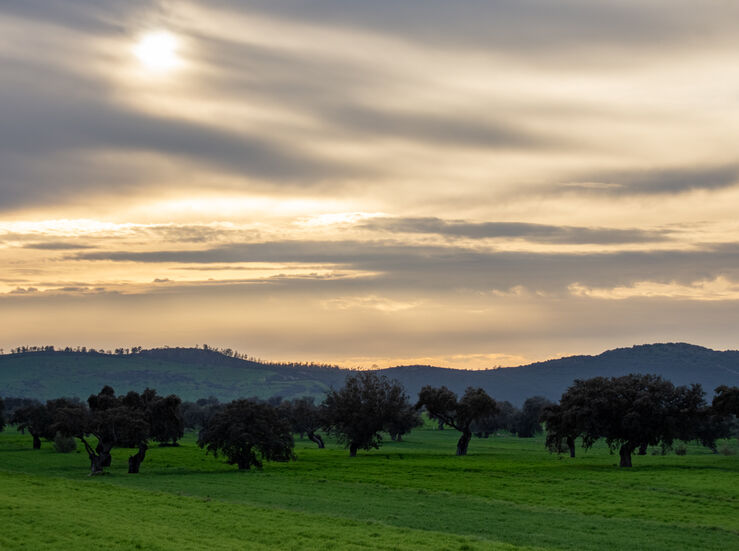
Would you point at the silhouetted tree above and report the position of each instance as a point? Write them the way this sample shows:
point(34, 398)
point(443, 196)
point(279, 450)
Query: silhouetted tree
point(166, 424)
point(196, 414)
point(247, 432)
point(627, 412)
point(442, 404)
point(357, 412)
point(304, 417)
point(113, 421)
point(562, 428)
point(527, 422)
point(405, 418)
point(504, 419)
point(726, 400)
point(34, 419)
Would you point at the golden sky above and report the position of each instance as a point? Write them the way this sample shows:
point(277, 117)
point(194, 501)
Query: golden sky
point(467, 184)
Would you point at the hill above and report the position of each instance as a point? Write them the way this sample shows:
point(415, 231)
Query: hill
point(195, 373)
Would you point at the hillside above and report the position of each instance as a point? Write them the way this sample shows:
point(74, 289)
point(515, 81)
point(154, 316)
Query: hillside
point(194, 373)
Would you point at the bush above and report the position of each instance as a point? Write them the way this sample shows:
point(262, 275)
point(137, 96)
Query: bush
point(64, 444)
point(681, 450)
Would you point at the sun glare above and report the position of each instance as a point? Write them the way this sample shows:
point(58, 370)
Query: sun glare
point(157, 51)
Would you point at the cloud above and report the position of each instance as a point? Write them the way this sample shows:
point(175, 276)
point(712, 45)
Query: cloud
point(56, 245)
point(432, 267)
point(535, 27)
point(539, 233)
point(660, 181)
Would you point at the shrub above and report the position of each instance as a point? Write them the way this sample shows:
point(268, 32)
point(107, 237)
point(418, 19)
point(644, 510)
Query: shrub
point(681, 450)
point(64, 444)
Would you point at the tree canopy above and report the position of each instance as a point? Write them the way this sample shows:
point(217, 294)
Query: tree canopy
point(442, 404)
point(527, 422)
point(726, 400)
point(628, 412)
point(362, 408)
point(248, 432)
point(305, 417)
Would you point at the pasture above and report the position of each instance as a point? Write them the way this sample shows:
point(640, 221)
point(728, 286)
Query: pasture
point(508, 493)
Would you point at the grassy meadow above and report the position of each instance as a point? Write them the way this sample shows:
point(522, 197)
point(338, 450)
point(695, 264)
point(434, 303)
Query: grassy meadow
point(509, 493)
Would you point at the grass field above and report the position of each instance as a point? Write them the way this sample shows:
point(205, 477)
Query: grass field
point(509, 493)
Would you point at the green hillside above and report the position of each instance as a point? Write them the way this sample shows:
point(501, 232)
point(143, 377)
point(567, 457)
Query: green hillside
point(195, 373)
point(46, 375)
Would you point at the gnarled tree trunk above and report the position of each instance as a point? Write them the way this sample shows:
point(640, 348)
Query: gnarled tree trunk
point(625, 453)
point(134, 461)
point(313, 437)
point(99, 456)
point(571, 445)
point(36, 441)
point(464, 442)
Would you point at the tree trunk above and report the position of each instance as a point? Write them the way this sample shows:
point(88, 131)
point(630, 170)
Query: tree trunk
point(441, 425)
point(643, 449)
point(103, 450)
point(571, 445)
point(353, 447)
point(134, 462)
point(313, 437)
point(625, 453)
point(243, 464)
point(464, 442)
point(36, 441)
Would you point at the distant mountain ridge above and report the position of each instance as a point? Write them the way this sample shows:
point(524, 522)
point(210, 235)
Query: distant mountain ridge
point(195, 373)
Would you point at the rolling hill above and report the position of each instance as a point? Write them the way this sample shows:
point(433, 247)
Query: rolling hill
point(195, 373)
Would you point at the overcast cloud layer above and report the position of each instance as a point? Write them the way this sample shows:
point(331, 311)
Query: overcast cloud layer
point(468, 184)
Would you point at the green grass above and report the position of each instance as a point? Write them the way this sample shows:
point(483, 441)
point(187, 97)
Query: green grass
point(508, 493)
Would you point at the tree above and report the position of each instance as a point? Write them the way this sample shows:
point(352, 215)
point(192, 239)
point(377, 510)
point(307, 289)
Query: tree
point(726, 400)
point(503, 419)
point(2, 413)
point(304, 417)
point(442, 404)
point(164, 417)
point(115, 421)
point(35, 419)
point(404, 419)
point(361, 409)
point(247, 432)
point(628, 412)
point(527, 423)
point(196, 414)
point(562, 428)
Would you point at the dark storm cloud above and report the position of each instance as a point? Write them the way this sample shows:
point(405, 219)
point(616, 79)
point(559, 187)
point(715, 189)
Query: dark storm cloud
point(539, 233)
point(438, 267)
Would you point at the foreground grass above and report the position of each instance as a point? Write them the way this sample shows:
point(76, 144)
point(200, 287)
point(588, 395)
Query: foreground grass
point(509, 493)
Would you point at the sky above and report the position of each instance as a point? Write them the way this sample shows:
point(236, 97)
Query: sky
point(466, 184)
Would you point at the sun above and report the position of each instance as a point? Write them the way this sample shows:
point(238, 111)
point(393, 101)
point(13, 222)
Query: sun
point(157, 51)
